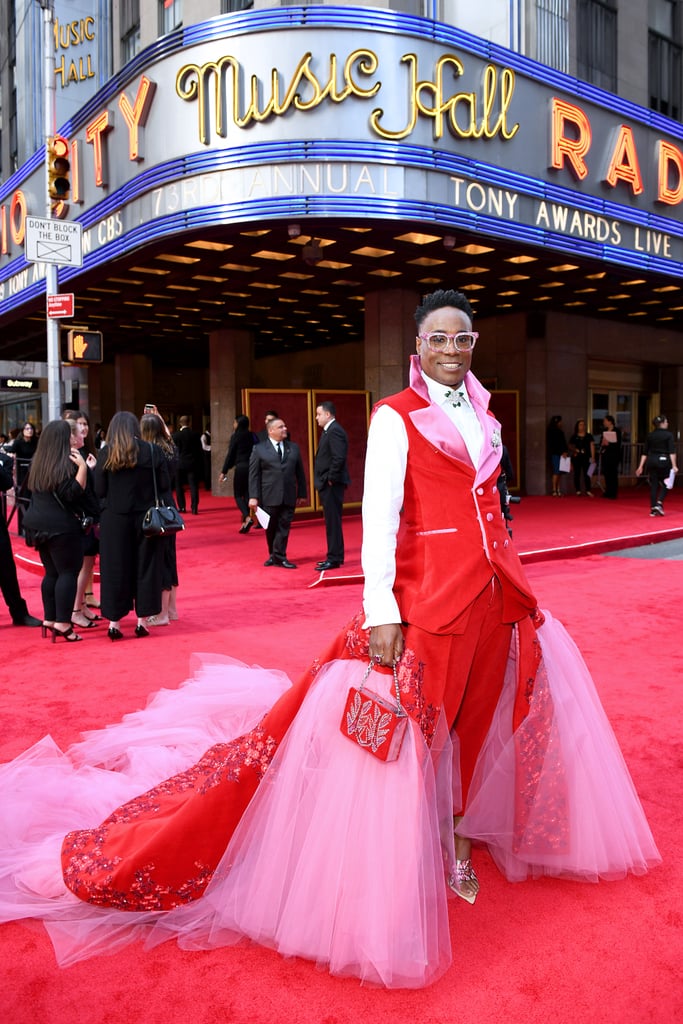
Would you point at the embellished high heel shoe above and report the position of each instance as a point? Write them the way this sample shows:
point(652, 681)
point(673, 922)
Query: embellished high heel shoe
point(464, 881)
point(114, 633)
point(140, 630)
point(66, 634)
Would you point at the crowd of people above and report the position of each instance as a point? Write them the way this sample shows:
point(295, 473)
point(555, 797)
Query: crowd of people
point(586, 457)
point(85, 499)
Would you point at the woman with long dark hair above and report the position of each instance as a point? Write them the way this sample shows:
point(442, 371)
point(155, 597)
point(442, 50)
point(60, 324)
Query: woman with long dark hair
point(83, 616)
point(23, 448)
point(237, 457)
point(557, 447)
point(153, 430)
point(57, 479)
point(582, 449)
point(130, 563)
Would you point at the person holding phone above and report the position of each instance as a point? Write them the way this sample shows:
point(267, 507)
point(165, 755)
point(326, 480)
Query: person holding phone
point(610, 456)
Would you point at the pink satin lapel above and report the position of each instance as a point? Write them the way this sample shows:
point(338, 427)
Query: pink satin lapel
point(434, 425)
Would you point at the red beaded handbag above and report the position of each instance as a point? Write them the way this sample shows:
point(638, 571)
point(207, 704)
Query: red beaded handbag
point(372, 722)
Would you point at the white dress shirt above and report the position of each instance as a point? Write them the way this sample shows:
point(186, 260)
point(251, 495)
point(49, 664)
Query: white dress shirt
point(385, 470)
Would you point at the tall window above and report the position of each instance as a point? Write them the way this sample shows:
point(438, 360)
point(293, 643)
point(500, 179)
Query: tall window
point(130, 29)
point(170, 15)
point(596, 43)
point(552, 33)
point(664, 57)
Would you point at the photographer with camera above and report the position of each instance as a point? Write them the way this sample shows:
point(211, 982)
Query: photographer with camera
point(83, 614)
point(507, 473)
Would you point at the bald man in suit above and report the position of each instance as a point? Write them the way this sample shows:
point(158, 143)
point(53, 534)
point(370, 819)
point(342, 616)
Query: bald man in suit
point(277, 484)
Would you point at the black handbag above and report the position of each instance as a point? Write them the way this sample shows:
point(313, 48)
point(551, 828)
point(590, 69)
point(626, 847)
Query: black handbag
point(87, 522)
point(160, 520)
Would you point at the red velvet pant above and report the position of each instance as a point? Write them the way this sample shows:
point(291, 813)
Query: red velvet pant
point(464, 673)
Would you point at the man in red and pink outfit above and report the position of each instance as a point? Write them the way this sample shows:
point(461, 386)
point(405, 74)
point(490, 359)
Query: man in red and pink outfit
point(442, 579)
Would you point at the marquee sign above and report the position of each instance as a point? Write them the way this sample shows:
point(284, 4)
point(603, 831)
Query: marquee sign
point(279, 118)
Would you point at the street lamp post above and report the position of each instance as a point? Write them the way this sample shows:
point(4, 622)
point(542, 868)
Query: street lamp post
point(54, 381)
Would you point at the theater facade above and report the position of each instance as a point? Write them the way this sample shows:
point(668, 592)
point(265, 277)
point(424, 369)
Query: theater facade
point(264, 197)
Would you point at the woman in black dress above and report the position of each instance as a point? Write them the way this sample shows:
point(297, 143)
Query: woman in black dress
point(57, 480)
point(582, 450)
point(153, 429)
point(610, 456)
point(130, 563)
point(239, 451)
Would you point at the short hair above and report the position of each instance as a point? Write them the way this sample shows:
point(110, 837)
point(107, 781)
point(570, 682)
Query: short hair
point(328, 407)
point(439, 300)
point(610, 419)
point(184, 421)
point(271, 414)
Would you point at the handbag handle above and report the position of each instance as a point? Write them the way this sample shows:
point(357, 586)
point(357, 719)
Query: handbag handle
point(374, 662)
point(154, 475)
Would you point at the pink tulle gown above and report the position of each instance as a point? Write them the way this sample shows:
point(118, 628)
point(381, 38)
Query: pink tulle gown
point(174, 817)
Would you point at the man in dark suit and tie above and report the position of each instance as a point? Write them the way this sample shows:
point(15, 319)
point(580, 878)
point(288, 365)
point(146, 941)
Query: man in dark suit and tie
point(190, 462)
point(277, 484)
point(331, 478)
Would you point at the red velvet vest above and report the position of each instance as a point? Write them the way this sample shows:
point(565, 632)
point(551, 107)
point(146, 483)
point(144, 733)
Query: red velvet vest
point(452, 538)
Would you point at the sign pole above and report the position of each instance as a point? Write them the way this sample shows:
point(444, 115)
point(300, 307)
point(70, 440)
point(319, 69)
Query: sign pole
point(54, 380)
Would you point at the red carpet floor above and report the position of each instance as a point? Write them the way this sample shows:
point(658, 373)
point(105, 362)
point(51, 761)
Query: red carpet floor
point(536, 952)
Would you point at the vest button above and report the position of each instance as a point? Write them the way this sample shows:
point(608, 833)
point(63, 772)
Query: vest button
point(489, 516)
point(505, 544)
point(480, 490)
point(495, 544)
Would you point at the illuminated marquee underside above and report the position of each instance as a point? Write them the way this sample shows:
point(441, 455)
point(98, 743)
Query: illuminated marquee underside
point(430, 135)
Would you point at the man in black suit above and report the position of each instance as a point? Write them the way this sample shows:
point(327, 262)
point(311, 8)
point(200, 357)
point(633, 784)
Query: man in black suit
point(9, 584)
point(331, 478)
point(277, 484)
point(190, 464)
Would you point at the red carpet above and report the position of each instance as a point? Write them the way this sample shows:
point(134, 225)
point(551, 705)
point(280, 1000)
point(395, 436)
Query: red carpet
point(536, 952)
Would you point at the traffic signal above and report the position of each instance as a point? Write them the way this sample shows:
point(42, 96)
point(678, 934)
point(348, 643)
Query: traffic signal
point(84, 347)
point(59, 168)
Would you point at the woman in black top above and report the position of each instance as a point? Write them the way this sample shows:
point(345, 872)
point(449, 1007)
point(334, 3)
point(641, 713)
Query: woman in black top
point(130, 563)
point(582, 449)
point(57, 480)
point(239, 451)
point(659, 458)
point(23, 447)
point(83, 616)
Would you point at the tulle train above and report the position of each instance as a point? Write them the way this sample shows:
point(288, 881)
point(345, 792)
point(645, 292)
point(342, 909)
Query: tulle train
point(584, 820)
point(339, 857)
